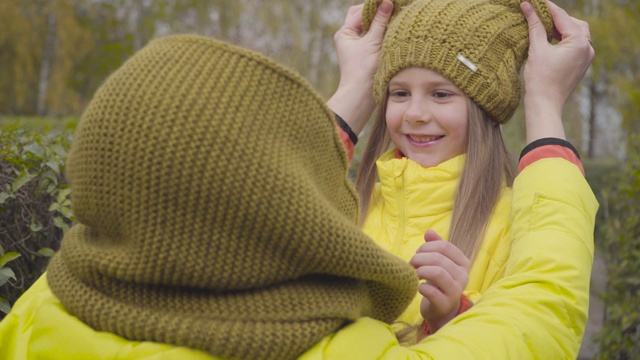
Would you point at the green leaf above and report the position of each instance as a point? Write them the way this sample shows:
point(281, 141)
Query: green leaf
point(54, 206)
point(4, 196)
point(19, 182)
point(66, 212)
point(53, 165)
point(35, 227)
point(6, 274)
point(4, 305)
point(14, 160)
point(62, 195)
point(10, 256)
point(51, 176)
point(35, 149)
point(59, 223)
point(59, 150)
point(45, 251)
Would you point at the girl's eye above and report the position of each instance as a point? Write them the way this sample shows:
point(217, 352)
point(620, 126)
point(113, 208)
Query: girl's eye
point(400, 94)
point(441, 94)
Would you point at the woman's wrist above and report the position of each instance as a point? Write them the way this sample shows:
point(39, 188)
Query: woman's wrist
point(543, 119)
point(354, 103)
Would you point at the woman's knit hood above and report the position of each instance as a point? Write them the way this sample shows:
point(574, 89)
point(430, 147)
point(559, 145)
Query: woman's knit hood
point(214, 209)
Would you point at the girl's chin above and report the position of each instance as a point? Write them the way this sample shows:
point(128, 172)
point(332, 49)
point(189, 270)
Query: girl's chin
point(424, 161)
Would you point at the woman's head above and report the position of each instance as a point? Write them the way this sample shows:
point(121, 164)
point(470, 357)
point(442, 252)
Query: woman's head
point(478, 45)
point(211, 192)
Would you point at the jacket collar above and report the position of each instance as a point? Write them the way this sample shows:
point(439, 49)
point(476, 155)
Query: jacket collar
point(418, 190)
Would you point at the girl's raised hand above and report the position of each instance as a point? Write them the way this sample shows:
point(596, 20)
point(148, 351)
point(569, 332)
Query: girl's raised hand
point(446, 271)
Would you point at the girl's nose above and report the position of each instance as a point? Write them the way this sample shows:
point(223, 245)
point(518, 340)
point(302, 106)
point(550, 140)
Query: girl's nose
point(417, 112)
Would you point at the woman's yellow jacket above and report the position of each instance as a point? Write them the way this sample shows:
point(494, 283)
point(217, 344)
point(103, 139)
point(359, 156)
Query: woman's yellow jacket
point(537, 310)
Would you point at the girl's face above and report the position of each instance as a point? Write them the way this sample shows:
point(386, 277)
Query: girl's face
point(426, 116)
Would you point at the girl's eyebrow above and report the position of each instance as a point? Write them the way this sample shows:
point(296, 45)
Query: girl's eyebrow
point(430, 83)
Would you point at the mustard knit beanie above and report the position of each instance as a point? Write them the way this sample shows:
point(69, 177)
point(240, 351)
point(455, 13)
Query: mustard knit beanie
point(479, 45)
point(214, 209)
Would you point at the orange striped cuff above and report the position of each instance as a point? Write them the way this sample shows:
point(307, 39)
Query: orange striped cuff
point(465, 304)
point(549, 148)
point(346, 142)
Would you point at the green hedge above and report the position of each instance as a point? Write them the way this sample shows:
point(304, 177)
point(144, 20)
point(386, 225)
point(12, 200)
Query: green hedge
point(620, 335)
point(601, 174)
point(34, 206)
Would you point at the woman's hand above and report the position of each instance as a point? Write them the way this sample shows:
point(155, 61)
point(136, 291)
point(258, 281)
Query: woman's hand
point(553, 71)
point(358, 55)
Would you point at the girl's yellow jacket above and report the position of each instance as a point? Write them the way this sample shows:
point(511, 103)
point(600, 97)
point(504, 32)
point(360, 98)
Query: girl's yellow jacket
point(538, 310)
point(411, 199)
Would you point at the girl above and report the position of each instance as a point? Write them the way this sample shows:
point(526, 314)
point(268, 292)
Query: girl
point(448, 77)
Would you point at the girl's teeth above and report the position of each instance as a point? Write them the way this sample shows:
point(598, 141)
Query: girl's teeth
point(423, 138)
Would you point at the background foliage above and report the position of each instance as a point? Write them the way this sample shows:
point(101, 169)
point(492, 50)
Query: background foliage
point(55, 53)
point(64, 49)
point(620, 336)
point(34, 206)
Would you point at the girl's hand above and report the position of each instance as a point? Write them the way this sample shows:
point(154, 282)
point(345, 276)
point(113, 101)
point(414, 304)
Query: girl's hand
point(446, 271)
point(358, 55)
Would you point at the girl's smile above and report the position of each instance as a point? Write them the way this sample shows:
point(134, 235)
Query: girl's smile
point(424, 140)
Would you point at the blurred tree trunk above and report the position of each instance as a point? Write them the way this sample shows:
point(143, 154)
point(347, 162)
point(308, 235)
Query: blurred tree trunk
point(591, 121)
point(615, 70)
point(608, 106)
point(48, 54)
point(19, 53)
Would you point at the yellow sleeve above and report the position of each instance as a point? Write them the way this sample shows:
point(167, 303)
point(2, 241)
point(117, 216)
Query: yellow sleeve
point(538, 310)
point(38, 327)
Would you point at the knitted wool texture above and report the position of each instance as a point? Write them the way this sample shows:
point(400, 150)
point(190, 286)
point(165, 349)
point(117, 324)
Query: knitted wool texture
point(214, 209)
point(492, 34)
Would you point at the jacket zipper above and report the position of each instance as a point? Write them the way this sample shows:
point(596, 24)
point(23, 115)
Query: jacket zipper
point(400, 198)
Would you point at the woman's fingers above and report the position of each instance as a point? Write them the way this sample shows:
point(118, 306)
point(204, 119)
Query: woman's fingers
point(380, 21)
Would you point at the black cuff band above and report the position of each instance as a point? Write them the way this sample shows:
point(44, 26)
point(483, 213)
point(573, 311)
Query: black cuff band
point(548, 141)
point(345, 127)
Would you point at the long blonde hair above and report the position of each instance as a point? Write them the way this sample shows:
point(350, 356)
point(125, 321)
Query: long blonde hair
point(487, 166)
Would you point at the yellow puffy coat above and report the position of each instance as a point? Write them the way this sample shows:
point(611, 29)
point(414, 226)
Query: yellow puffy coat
point(538, 310)
point(411, 199)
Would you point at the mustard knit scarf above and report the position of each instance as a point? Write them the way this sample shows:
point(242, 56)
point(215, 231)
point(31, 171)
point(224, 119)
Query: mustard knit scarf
point(214, 211)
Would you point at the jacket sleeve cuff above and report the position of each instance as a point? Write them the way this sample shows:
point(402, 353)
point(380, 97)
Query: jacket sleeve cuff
point(346, 129)
point(465, 304)
point(347, 136)
point(549, 148)
point(346, 143)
